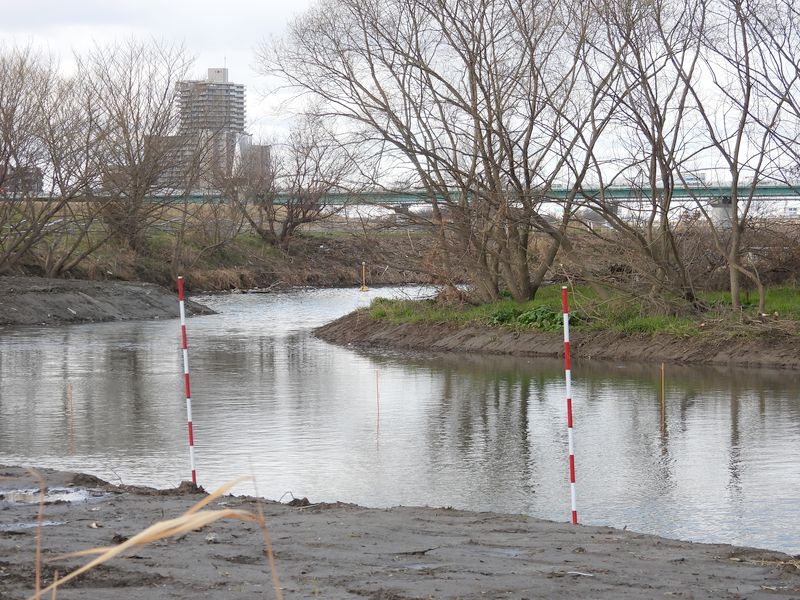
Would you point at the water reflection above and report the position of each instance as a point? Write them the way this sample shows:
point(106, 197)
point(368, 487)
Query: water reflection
point(715, 462)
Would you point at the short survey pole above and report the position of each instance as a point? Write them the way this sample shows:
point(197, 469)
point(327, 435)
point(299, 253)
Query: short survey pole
point(364, 287)
point(568, 379)
point(663, 397)
point(185, 348)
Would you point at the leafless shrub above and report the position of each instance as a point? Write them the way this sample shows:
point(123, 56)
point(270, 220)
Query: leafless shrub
point(292, 183)
point(133, 85)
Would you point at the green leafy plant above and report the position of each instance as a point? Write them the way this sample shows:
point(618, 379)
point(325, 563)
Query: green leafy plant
point(503, 315)
point(541, 317)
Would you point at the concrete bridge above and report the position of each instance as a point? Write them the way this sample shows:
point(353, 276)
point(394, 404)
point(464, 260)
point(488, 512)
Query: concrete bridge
point(613, 193)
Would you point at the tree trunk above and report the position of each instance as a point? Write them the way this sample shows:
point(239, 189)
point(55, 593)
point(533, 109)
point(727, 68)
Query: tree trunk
point(734, 280)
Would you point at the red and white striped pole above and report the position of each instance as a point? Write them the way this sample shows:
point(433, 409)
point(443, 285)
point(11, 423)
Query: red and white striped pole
point(185, 347)
point(568, 378)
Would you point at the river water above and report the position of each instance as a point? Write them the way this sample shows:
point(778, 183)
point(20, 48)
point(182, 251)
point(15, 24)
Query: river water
point(381, 428)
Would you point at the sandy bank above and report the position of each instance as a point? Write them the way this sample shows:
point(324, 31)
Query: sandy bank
point(39, 301)
point(360, 330)
point(344, 551)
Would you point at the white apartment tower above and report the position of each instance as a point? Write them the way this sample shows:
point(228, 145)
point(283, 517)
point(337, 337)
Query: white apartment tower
point(213, 109)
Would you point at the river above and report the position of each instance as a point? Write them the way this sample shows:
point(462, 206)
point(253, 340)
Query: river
point(380, 428)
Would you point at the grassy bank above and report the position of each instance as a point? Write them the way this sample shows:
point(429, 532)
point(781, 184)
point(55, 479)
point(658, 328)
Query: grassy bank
point(246, 261)
point(616, 313)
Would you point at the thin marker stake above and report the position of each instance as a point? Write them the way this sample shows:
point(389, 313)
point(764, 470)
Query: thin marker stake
point(185, 348)
point(364, 287)
point(663, 398)
point(568, 380)
point(378, 404)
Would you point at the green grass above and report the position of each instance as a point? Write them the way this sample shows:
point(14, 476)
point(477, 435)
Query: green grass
point(618, 313)
point(503, 312)
point(428, 311)
point(783, 300)
point(682, 326)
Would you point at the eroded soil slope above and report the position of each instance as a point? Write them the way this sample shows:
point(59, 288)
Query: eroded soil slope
point(358, 328)
point(39, 301)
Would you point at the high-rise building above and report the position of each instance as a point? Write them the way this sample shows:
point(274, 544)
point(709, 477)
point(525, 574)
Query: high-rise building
point(213, 104)
point(213, 109)
point(255, 159)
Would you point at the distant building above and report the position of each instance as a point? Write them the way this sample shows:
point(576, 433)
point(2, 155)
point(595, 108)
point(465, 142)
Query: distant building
point(255, 158)
point(213, 110)
point(22, 181)
point(181, 160)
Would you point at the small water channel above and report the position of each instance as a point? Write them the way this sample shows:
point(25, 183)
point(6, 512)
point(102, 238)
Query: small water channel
point(381, 428)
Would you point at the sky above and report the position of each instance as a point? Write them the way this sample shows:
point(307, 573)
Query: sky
point(216, 34)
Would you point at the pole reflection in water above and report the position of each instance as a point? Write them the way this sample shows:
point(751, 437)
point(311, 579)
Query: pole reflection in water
point(473, 432)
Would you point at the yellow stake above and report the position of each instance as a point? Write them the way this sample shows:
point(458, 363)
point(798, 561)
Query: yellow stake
point(364, 287)
point(663, 394)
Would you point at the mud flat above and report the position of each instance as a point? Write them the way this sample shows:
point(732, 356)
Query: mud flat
point(338, 550)
point(39, 301)
point(358, 329)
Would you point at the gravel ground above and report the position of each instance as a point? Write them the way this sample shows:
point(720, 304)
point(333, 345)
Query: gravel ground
point(346, 551)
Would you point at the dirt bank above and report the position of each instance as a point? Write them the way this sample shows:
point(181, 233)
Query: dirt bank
point(344, 551)
point(39, 301)
point(359, 329)
point(316, 260)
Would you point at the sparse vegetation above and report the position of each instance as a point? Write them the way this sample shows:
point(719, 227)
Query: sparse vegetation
point(588, 312)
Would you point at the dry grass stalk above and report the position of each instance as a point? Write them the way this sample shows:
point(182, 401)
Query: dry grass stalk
point(39, 520)
point(780, 563)
point(193, 519)
point(276, 583)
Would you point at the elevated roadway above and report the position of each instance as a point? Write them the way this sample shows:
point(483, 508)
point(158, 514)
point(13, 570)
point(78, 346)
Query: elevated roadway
point(614, 193)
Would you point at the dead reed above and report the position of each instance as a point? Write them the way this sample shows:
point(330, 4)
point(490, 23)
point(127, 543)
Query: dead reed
point(193, 519)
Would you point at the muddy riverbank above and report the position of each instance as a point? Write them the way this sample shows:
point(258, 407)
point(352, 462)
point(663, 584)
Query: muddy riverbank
point(40, 301)
point(359, 329)
point(346, 551)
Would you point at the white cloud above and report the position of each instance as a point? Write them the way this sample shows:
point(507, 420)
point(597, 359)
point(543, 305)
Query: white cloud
point(215, 33)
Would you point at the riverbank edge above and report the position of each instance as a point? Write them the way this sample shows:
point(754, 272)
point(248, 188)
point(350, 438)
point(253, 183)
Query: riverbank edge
point(42, 301)
point(346, 551)
point(359, 329)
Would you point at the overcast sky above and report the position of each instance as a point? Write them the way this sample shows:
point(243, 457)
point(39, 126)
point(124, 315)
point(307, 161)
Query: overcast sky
point(219, 33)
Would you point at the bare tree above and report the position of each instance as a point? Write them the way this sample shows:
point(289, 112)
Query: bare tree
point(654, 140)
point(710, 86)
point(133, 84)
point(47, 138)
point(283, 186)
point(739, 125)
point(776, 76)
point(482, 100)
point(71, 136)
point(201, 225)
point(22, 218)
